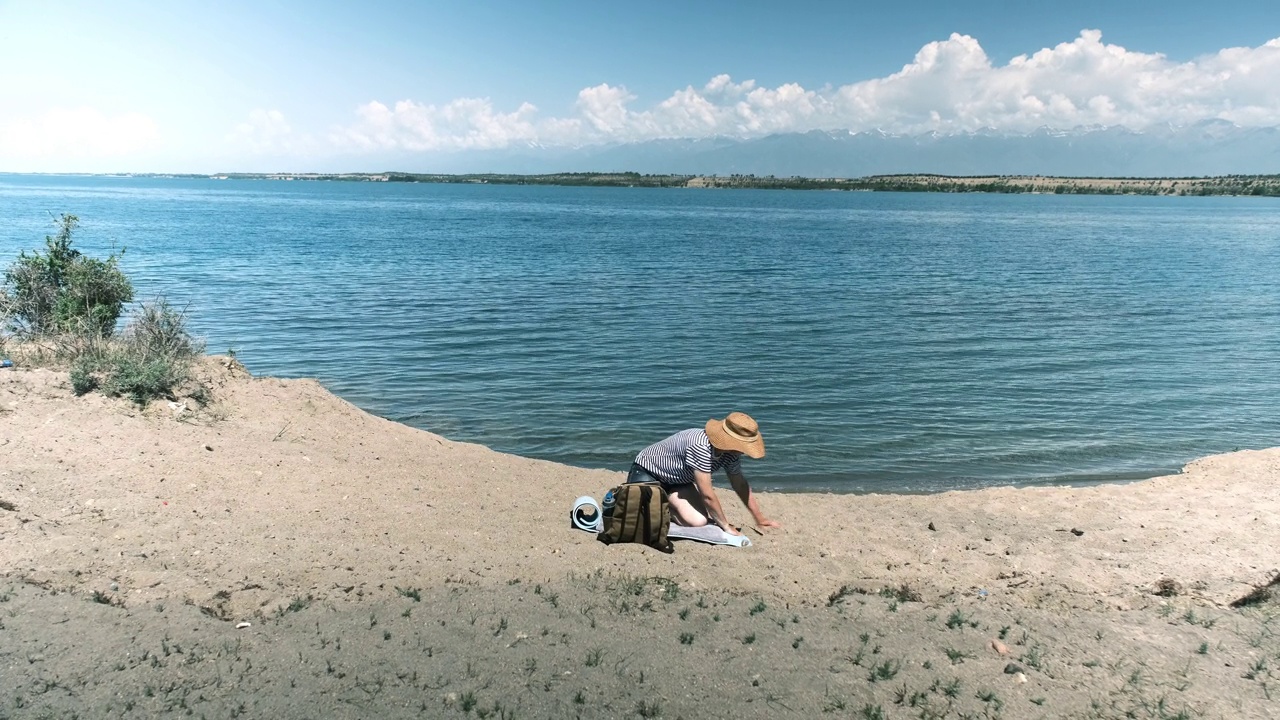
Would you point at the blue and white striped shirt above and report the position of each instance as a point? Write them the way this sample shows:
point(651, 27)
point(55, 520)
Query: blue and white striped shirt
point(674, 460)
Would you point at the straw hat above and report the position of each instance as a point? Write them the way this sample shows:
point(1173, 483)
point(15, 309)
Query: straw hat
point(736, 432)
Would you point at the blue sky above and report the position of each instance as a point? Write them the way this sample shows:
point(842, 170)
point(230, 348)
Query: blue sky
point(187, 86)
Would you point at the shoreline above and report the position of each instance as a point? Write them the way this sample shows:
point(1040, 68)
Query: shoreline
point(1244, 185)
point(364, 553)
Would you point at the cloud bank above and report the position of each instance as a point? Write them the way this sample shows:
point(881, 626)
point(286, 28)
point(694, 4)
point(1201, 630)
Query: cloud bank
point(82, 132)
point(950, 86)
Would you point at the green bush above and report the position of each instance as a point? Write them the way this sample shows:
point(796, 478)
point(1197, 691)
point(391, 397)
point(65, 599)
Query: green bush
point(63, 291)
point(153, 357)
point(63, 307)
point(82, 377)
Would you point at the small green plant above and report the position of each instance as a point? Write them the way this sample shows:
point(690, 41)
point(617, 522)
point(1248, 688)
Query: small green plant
point(1258, 667)
point(759, 607)
point(952, 689)
point(873, 712)
point(82, 379)
point(412, 593)
point(1033, 657)
point(686, 638)
point(957, 656)
point(468, 701)
point(579, 698)
point(749, 639)
point(1203, 649)
point(648, 709)
point(956, 620)
point(886, 670)
point(795, 644)
point(684, 614)
point(594, 657)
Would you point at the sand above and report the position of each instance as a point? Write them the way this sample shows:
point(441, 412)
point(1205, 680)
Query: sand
point(386, 571)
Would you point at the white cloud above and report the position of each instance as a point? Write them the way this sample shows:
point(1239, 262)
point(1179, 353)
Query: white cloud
point(266, 132)
point(75, 133)
point(951, 85)
point(464, 124)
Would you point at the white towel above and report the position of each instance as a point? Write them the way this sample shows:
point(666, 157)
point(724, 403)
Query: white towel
point(708, 534)
point(586, 515)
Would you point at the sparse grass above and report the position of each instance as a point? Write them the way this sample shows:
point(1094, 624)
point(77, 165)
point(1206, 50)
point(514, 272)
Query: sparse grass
point(686, 638)
point(1033, 657)
point(1258, 667)
point(1203, 649)
point(902, 593)
point(648, 709)
point(749, 639)
point(837, 597)
point(759, 607)
point(594, 657)
point(412, 593)
point(873, 712)
point(957, 620)
point(958, 656)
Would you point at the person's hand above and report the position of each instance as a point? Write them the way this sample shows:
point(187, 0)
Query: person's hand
point(765, 522)
point(731, 530)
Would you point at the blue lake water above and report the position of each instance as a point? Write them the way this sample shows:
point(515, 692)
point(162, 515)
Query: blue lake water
point(885, 342)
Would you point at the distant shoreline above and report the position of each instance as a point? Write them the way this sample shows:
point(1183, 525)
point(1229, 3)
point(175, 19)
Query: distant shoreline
point(1236, 185)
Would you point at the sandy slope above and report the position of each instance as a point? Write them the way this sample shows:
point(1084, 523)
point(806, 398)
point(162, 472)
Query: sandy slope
point(281, 495)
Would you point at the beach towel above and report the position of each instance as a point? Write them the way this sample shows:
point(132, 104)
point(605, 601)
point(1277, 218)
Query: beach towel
point(712, 534)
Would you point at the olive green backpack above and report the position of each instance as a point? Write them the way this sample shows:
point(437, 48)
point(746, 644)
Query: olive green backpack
point(640, 514)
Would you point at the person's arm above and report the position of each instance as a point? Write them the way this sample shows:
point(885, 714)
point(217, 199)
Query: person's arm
point(712, 502)
point(743, 488)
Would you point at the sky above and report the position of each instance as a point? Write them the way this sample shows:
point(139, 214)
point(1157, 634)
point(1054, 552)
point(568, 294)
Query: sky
point(176, 86)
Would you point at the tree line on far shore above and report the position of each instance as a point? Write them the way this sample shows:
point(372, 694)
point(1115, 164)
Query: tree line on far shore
point(1254, 185)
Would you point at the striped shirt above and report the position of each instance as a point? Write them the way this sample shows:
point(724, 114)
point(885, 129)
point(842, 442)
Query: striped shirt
point(674, 460)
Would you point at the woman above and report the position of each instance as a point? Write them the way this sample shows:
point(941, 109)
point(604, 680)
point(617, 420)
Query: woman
point(683, 464)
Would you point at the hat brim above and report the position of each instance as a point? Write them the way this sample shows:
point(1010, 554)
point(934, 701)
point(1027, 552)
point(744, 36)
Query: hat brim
point(722, 440)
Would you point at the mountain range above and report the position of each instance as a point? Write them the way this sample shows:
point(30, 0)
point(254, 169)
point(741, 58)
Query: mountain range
point(1211, 147)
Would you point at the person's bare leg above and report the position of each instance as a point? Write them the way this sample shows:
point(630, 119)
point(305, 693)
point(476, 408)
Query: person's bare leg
point(686, 506)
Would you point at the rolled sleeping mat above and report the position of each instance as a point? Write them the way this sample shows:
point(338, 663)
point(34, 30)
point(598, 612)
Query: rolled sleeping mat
point(586, 515)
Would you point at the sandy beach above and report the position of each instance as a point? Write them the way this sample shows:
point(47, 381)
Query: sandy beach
point(386, 571)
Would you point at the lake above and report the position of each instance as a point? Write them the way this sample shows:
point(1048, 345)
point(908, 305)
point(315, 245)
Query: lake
point(885, 342)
